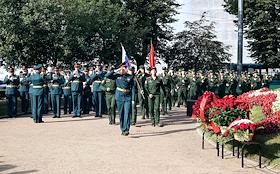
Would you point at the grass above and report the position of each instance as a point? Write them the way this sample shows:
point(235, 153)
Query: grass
point(257, 114)
point(270, 149)
point(276, 89)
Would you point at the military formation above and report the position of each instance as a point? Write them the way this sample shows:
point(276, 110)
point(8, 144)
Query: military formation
point(106, 89)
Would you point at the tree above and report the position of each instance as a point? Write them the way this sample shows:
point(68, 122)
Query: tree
point(196, 47)
point(32, 31)
point(261, 23)
point(67, 30)
point(152, 19)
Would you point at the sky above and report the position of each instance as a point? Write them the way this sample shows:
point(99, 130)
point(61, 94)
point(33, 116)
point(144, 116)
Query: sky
point(226, 30)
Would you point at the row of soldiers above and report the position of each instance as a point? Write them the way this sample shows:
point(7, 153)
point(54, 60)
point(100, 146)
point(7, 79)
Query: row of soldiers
point(99, 87)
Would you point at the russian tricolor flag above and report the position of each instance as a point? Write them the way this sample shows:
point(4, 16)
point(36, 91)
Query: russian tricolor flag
point(125, 58)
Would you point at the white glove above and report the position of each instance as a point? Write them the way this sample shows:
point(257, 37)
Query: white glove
point(133, 102)
point(108, 89)
point(151, 95)
point(142, 92)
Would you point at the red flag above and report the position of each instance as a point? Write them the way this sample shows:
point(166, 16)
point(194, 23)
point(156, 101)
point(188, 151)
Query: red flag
point(152, 56)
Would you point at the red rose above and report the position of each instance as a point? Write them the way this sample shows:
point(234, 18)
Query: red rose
point(242, 126)
point(252, 127)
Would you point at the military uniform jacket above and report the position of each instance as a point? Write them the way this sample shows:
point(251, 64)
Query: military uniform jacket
point(109, 84)
point(56, 85)
point(37, 81)
point(66, 86)
point(77, 80)
point(166, 82)
point(97, 79)
point(192, 89)
point(87, 88)
point(125, 86)
point(153, 86)
point(11, 85)
point(183, 82)
point(142, 79)
point(24, 84)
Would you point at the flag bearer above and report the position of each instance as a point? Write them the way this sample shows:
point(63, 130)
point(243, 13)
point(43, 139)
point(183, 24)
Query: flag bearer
point(153, 85)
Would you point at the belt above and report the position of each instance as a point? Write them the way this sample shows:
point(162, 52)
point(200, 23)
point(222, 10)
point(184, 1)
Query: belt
point(45, 86)
point(76, 81)
point(66, 87)
point(123, 90)
point(55, 85)
point(11, 86)
point(37, 86)
point(97, 81)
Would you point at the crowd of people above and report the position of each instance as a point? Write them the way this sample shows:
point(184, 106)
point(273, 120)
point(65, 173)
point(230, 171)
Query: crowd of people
point(103, 88)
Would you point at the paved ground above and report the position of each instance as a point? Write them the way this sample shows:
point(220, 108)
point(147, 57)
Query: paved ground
point(87, 145)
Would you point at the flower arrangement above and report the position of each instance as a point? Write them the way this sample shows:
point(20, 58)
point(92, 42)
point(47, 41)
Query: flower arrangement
point(264, 98)
point(226, 110)
point(230, 115)
point(270, 103)
point(271, 124)
point(243, 129)
point(202, 106)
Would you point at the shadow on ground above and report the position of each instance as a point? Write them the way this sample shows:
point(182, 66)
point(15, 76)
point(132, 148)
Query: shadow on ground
point(6, 167)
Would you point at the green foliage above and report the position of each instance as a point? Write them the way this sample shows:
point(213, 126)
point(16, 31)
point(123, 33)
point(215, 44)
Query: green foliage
point(257, 114)
point(261, 24)
point(197, 47)
point(225, 117)
point(65, 30)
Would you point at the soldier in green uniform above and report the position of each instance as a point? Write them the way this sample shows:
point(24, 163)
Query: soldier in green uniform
point(109, 86)
point(182, 85)
point(153, 85)
point(192, 94)
point(124, 96)
point(87, 92)
point(173, 86)
point(77, 78)
point(143, 95)
point(202, 82)
point(67, 95)
point(266, 81)
point(245, 83)
point(214, 84)
point(166, 80)
point(255, 82)
point(98, 93)
point(233, 84)
point(57, 80)
point(37, 80)
point(12, 82)
point(133, 115)
point(23, 90)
